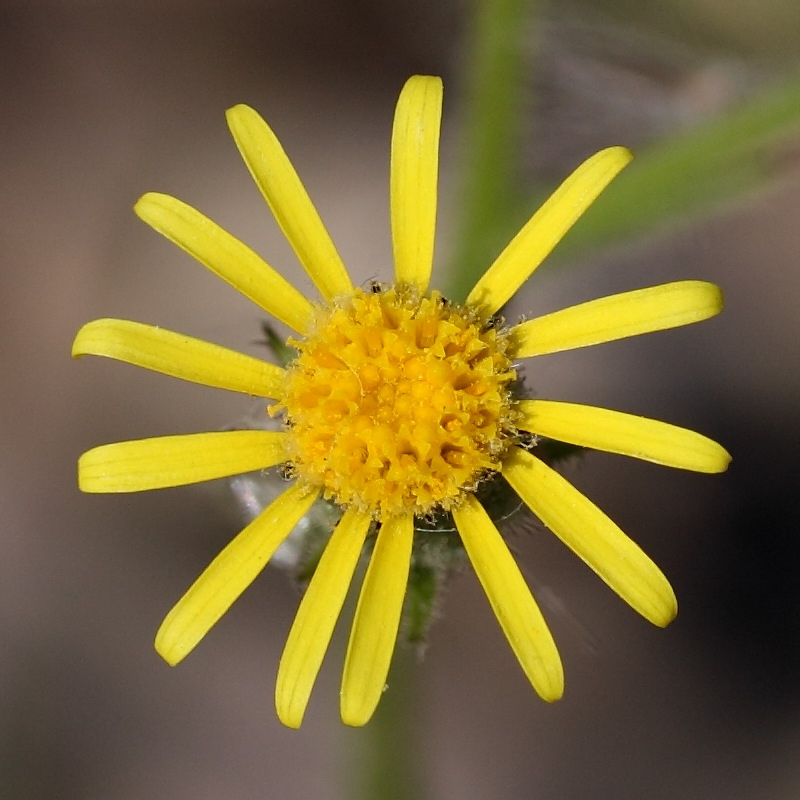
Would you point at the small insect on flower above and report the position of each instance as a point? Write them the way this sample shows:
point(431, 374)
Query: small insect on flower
point(397, 406)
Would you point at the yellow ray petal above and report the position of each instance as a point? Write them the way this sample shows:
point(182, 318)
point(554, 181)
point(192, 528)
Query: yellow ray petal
point(226, 257)
point(292, 207)
point(546, 228)
point(592, 536)
point(316, 618)
point(165, 461)
point(414, 178)
point(372, 640)
point(618, 316)
point(511, 600)
point(627, 434)
point(179, 356)
point(230, 573)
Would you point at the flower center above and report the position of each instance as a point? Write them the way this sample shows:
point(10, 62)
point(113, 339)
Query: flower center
point(398, 403)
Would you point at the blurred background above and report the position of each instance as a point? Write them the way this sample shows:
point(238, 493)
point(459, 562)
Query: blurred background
point(101, 102)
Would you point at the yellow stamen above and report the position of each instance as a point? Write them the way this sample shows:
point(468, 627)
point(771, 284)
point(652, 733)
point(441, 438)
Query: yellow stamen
point(398, 403)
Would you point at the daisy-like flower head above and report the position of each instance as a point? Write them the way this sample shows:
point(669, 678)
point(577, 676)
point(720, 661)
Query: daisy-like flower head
point(398, 405)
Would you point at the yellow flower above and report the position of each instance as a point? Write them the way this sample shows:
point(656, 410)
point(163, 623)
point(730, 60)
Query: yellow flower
point(399, 404)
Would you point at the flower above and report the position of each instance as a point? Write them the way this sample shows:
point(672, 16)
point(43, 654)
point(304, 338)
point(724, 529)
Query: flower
point(398, 404)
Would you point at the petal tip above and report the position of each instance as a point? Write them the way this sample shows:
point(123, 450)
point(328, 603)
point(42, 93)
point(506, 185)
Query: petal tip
point(83, 484)
point(552, 693)
point(666, 612)
point(288, 716)
point(713, 458)
point(548, 680)
point(241, 114)
point(355, 715)
point(147, 202)
point(171, 641)
point(431, 80)
point(353, 722)
point(85, 342)
point(167, 647)
point(157, 210)
point(722, 461)
point(708, 298)
point(292, 725)
point(619, 154)
point(718, 296)
point(78, 343)
point(239, 108)
point(88, 473)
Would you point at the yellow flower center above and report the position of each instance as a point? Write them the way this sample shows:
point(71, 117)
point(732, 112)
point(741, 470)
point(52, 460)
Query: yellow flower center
point(398, 403)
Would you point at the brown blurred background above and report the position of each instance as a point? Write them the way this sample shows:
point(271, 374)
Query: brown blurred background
point(103, 101)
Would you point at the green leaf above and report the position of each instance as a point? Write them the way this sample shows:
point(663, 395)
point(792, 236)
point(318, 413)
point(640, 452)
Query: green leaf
point(500, 50)
point(692, 173)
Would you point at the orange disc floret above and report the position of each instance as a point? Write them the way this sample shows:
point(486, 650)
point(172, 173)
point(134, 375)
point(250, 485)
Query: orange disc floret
point(398, 403)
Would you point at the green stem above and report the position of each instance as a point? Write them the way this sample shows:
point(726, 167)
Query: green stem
point(497, 53)
point(693, 172)
point(390, 755)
